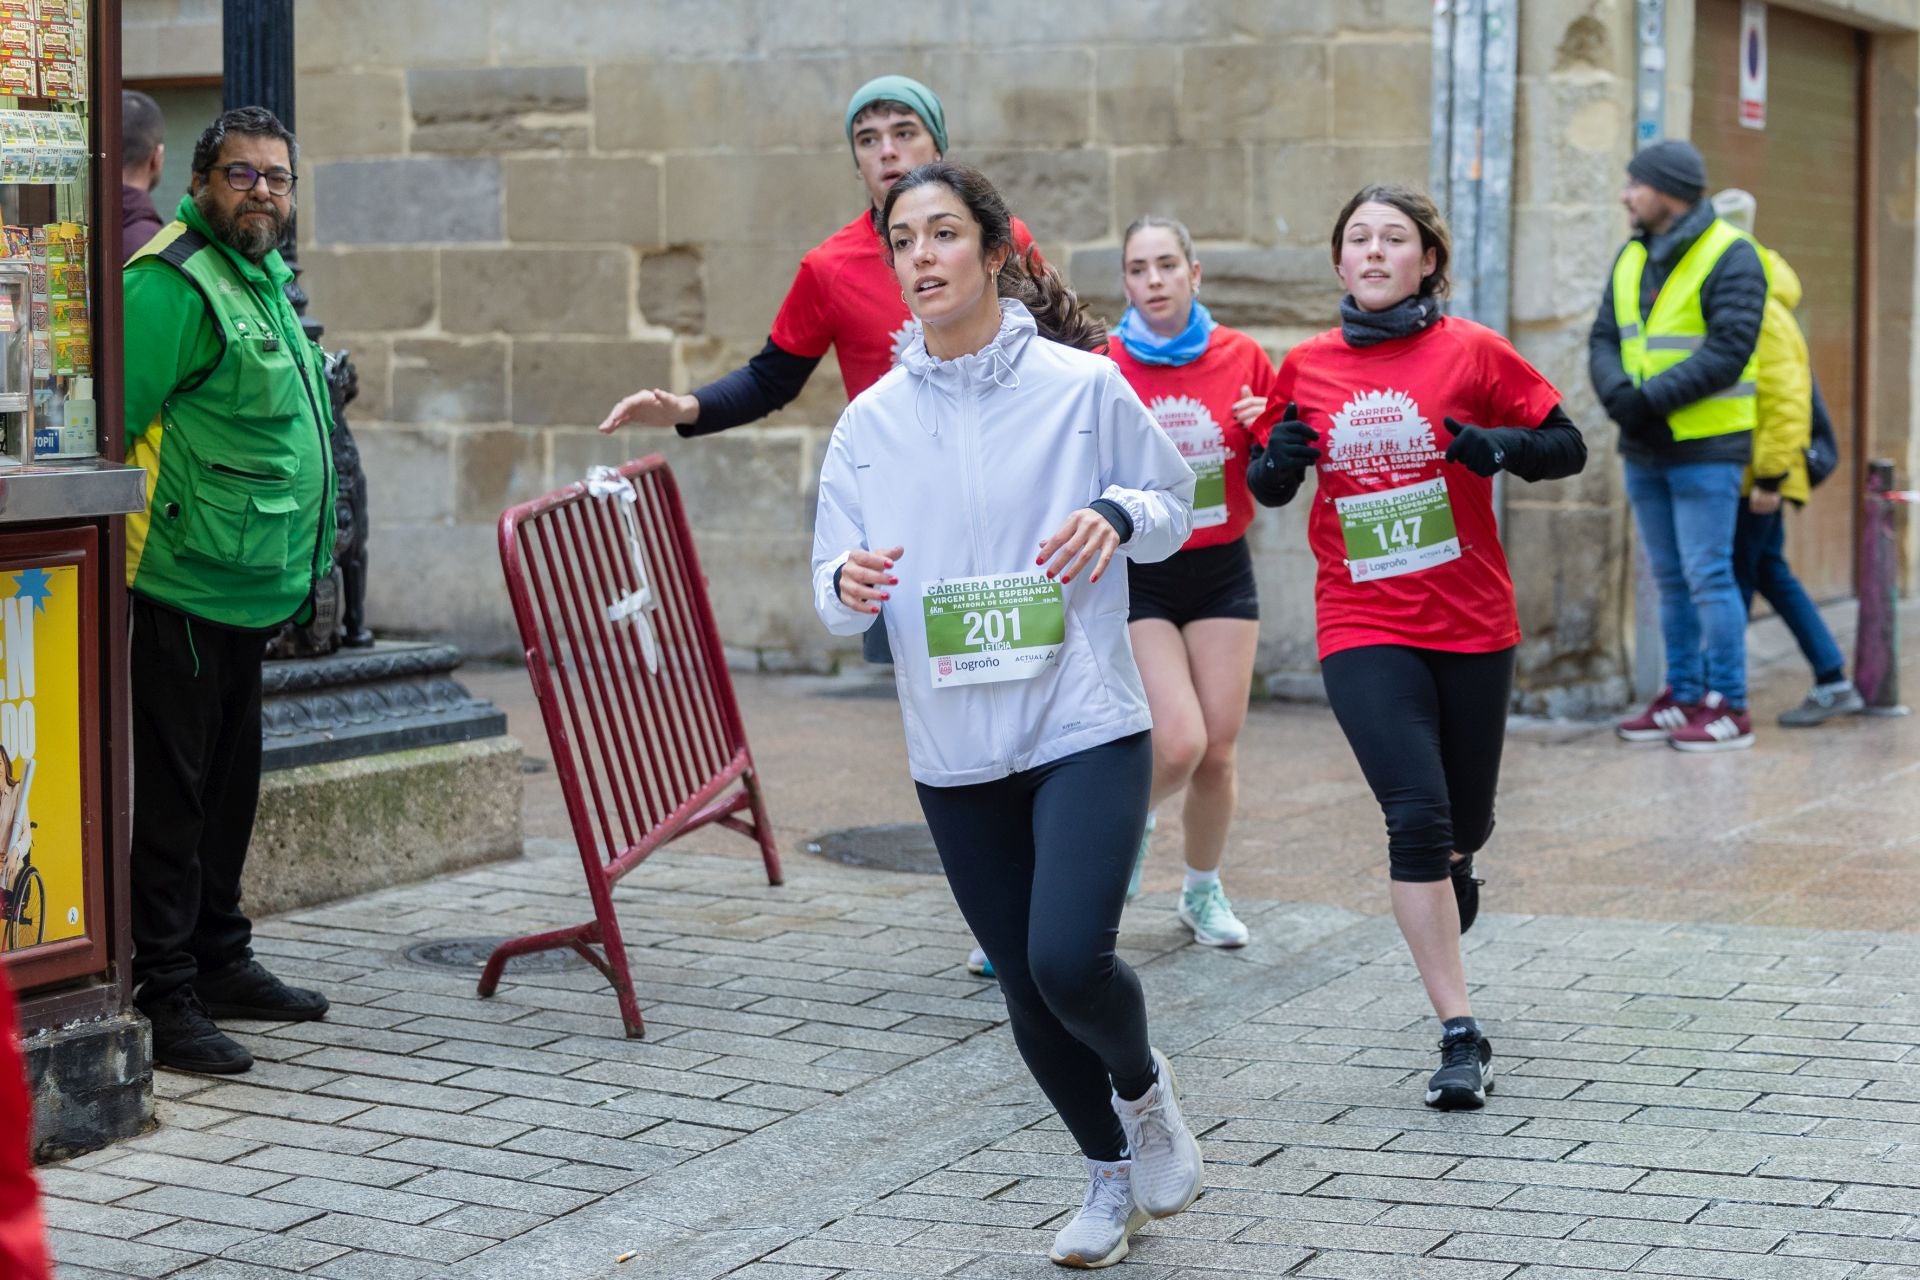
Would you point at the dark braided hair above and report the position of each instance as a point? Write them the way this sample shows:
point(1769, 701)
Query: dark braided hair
point(1058, 313)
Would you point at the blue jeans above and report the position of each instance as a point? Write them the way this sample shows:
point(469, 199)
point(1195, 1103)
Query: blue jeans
point(1685, 514)
point(1760, 564)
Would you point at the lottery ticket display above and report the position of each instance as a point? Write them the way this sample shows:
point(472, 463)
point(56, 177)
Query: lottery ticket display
point(45, 145)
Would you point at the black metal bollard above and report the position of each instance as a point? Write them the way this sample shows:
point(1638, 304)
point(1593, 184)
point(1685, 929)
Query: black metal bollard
point(1876, 656)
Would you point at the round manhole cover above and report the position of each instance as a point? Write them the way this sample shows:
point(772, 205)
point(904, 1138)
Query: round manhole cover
point(471, 954)
point(892, 846)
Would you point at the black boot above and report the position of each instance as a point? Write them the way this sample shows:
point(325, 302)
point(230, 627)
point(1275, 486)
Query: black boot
point(246, 990)
point(185, 1038)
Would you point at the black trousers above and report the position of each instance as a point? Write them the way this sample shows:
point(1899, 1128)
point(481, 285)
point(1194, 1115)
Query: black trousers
point(1427, 728)
point(1039, 862)
point(196, 784)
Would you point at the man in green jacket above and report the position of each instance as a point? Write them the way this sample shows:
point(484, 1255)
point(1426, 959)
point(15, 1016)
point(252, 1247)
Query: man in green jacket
point(227, 410)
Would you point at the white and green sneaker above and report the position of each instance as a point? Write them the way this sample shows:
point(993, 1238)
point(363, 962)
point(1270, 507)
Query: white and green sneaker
point(1140, 858)
point(1207, 912)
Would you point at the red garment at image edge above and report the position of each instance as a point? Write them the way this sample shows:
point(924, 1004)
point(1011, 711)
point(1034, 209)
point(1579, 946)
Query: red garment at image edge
point(1193, 403)
point(1387, 572)
point(23, 1239)
point(845, 296)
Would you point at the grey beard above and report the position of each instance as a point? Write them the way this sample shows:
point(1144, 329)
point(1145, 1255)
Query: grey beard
point(250, 240)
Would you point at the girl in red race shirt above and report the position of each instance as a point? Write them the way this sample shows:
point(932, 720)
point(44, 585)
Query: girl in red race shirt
point(1194, 618)
point(23, 1243)
point(1406, 415)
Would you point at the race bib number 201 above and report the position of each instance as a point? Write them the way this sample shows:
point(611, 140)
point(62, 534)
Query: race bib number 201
point(993, 628)
point(1399, 531)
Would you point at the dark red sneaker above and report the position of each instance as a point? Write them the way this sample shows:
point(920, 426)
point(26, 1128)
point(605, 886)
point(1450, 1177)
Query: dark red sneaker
point(1662, 716)
point(1713, 726)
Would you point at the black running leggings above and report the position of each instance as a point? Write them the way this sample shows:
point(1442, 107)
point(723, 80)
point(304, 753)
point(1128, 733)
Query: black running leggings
point(1427, 728)
point(1038, 862)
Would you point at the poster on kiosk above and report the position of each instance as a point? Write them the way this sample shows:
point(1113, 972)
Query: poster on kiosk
point(41, 868)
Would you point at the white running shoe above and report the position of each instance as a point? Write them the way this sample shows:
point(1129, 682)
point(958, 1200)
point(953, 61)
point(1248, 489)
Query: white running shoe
point(977, 962)
point(1207, 912)
point(1097, 1235)
point(1166, 1171)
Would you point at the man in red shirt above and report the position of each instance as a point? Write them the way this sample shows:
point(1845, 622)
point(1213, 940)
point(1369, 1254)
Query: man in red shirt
point(844, 295)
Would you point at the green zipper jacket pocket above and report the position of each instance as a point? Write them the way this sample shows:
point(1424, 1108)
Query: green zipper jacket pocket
point(267, 386)
point(240, 518)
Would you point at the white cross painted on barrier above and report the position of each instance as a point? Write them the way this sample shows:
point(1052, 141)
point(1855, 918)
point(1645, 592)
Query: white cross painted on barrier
point(604, 483)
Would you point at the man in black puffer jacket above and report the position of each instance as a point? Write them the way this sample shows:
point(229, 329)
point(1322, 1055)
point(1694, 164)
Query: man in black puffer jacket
point(1672, 359)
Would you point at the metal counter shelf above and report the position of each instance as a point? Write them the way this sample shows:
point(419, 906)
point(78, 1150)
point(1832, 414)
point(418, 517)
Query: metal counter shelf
point(78, 489)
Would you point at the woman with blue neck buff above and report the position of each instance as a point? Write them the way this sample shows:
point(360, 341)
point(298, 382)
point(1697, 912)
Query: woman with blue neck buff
point(1194, 618)
point(1415, 608)
point(981, 490)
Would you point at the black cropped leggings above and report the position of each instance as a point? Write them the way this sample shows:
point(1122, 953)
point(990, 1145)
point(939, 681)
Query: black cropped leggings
point(1427, 728)
point(1038, 862)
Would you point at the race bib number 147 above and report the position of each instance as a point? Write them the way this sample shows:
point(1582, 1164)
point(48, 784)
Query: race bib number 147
point(992, 628)
point(1399, 531)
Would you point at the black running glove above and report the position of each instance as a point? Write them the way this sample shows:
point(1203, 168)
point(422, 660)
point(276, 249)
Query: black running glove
point(1290, 446)
point(1483, 450)
point(1274, 473)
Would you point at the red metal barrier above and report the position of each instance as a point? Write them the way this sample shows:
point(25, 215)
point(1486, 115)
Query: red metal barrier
point(633, 688)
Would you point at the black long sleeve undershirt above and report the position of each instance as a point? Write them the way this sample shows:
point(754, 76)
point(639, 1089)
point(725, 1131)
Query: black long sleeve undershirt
point(763, 385)
point(1553, 450)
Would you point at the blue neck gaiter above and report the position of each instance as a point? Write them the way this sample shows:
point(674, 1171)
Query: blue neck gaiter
point(1148, 347)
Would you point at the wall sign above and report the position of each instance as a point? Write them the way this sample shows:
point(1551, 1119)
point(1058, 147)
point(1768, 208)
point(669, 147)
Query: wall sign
point(1753, 64)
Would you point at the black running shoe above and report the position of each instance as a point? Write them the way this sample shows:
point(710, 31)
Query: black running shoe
point(1465, 1077)
point(247, 990)
point(185, 1038)
point(1466, 891)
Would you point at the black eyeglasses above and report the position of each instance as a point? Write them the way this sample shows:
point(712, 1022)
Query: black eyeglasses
point(242, 177)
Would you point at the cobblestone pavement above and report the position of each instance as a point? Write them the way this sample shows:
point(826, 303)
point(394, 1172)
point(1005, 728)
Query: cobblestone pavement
point(825, 1093)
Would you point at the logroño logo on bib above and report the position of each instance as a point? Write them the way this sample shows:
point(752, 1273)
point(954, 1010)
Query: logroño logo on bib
point(1383, 435)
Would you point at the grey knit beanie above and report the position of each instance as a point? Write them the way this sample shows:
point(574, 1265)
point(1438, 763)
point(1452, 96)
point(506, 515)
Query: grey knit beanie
point(1673, 166)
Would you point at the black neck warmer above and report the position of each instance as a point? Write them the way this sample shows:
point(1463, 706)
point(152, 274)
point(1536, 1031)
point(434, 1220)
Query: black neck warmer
point(1403, 319)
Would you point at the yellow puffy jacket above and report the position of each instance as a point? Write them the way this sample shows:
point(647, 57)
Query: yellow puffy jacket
point(1785, 388)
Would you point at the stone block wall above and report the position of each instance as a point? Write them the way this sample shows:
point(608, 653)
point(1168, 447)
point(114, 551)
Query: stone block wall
point(516, 211)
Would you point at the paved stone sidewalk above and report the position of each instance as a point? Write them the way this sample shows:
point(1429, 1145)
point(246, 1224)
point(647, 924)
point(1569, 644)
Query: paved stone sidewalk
point(825, 1093)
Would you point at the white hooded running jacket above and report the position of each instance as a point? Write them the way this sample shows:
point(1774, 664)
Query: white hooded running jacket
point(970, 464)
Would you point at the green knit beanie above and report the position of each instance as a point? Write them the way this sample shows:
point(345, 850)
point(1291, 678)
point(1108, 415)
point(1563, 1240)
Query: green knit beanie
point(925, 104)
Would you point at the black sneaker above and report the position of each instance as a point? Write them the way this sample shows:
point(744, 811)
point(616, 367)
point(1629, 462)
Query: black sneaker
point(185, 1038)
point(247, 990)
point(1466, 891)
point(1465, 1077)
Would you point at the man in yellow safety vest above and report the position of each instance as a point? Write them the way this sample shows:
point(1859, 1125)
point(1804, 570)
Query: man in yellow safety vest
point(1672, 359)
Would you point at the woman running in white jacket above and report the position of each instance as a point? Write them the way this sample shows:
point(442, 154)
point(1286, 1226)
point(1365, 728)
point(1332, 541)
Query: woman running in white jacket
point(974, 497)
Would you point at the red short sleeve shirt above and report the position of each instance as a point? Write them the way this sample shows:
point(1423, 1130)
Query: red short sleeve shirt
point(845, 296)
point(1193, 404)
point(1406, 544)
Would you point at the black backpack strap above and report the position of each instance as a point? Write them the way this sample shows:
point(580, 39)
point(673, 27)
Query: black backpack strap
point(175, 255)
